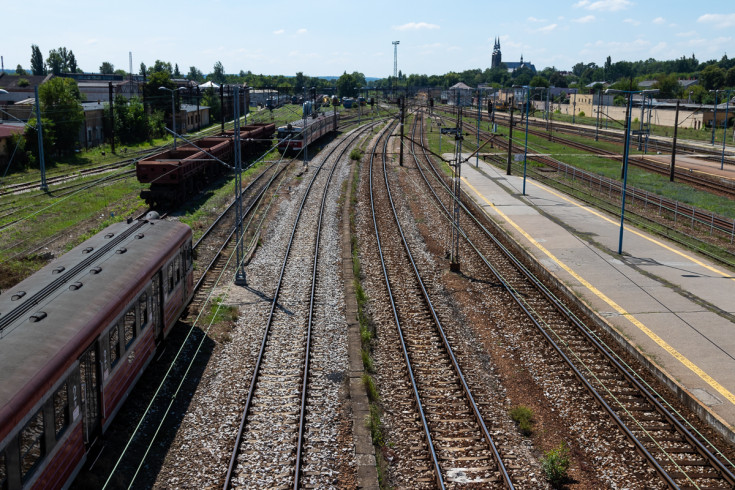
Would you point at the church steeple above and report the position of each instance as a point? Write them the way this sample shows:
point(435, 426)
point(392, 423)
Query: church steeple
point(497, 57)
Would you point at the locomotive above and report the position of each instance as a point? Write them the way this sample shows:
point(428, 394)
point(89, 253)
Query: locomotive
point(74, 339)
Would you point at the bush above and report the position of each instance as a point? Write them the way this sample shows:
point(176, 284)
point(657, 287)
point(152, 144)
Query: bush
point(556, 464)
point(581, 114)
point(523, 416)
point(356, 154)
point(23, 82)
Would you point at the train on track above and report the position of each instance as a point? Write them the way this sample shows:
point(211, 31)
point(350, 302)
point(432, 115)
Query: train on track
point(294, 136)
point(174, 175)
point(74, 339)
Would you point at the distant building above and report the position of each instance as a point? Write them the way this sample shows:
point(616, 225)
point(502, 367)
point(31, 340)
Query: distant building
point(511, 66)
point(458, 94)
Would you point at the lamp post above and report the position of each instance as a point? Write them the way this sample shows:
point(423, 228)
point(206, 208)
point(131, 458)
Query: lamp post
point(527, 90)
point(724, 130)
point(173, 110)
point(625, 153)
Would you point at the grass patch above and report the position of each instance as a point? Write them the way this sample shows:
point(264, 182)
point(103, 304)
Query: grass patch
point(220, 312)
point(523, 416)
point(376, 426)
point(370, 388)
point(556, 465)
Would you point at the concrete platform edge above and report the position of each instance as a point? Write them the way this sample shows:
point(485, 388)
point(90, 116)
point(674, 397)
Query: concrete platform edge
point(367, 473)
point(702, 411)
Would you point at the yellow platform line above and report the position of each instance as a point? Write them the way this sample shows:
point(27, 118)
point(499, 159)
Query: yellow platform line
point(652, 335)
point(727, 275)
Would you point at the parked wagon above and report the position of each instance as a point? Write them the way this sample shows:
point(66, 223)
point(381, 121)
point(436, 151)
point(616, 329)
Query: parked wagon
point(74, 339)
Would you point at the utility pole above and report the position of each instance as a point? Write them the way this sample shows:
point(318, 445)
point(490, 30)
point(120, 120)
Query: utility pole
point(627, 139)
point(403, 114)
point(454, 253)
point(599, 104)
point(112, 120)
point(510, 137)
point(479, 119)
point(222, 106)
point(673, 148)
point(240, 279)
point(39, 128)
point(395, 61)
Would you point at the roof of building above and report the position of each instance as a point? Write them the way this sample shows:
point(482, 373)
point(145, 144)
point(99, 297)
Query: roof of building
point(688, 83)
point(192, 107)
point(9, 129)
point(460, 86)
point(10, 82)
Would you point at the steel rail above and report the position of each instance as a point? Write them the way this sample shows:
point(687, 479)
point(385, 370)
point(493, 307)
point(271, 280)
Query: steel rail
point(261, 353)
point(579, 326)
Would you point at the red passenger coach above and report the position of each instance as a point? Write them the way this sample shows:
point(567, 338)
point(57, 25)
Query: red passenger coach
point(292, 136)
point(74, 339)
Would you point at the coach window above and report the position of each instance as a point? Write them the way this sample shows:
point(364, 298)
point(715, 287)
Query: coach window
point(170, 277)
point(61, 410)
point(129, 327)
point(114, 345)
point(177, 268)
point(3, 472)
point(31, 445)
point(143, 306)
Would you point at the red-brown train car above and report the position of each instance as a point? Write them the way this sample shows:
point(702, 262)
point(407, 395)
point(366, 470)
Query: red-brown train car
point(174, 175)
point(74, 339)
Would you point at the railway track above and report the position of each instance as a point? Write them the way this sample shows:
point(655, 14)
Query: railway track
point(269, 449)
point(722, 186)
point(677, 210)
point(452, 436)
point(668, 442)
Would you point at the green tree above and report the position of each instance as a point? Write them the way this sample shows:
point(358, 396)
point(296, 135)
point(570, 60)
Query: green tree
point(162, 66)
point(107, 68)
point(218, 75)
point(20, 71)
point(159, 100)
point(346, 85)
point(143, 71)
point(62, 60)
point(730, 77)
point(298, 82)
point(37, 66)
point(131, 121)
point(195, 74)
point(668, 86)
point(712, 77)
point(539, 81)
point(210, 98)
point(177, 73)
point(61, 102)
point(72, 63)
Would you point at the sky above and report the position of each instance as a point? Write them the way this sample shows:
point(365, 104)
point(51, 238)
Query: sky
point(321, 38)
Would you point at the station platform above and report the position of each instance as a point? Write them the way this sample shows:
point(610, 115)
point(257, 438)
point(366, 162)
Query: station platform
point(675, 308)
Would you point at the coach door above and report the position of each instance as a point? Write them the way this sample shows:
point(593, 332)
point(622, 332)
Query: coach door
point(157, 302)
point(90, 393)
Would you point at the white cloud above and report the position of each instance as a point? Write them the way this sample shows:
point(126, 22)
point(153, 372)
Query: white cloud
point(659, 20)
point(301, 31)
point(454, 49)
point(534, 19)
point(659, 48)
point(279, 31)
point(632, 22)
point(585, 19)
point(414, 26)
point(548, 28)
point(686, 34)
point(604, 5)
point(720, 21)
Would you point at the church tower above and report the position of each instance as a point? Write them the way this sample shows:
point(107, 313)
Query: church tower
point(496, 59)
